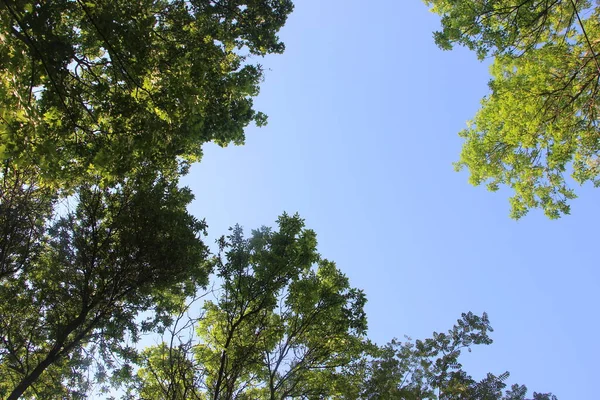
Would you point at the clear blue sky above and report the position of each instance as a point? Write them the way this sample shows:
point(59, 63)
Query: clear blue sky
point(364, 112)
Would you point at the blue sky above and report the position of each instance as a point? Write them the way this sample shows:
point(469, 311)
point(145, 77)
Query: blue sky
point(364, 112)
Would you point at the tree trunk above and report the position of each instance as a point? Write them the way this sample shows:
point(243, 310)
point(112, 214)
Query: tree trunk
point(31, 378)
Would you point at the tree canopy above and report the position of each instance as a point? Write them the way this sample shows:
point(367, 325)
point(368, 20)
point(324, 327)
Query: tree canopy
point(540, 121)
point(79, 290)
point(103, 106)
point(286, 324)
point(111, 87)
point(432, 369)
point(74, 292)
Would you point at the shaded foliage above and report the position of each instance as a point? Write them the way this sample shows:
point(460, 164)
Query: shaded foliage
point(24, 209)
point(119, 253)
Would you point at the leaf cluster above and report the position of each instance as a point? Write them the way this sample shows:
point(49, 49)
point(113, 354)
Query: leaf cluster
point(540, 121)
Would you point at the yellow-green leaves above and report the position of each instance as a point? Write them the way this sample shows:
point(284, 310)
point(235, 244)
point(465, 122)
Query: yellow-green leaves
point(52, 117)
point(540, 121)
point(283, 323)
point(145, 82)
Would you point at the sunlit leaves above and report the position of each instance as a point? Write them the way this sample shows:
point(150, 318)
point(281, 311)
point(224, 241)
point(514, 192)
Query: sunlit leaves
point(540, 122)
point(283, 325)
point(110, 88)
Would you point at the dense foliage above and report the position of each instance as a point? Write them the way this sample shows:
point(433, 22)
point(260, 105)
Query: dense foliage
point(73, 290)
point(103, 105)
point(109, 87)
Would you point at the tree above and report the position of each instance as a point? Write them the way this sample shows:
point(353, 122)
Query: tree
point(121, 252)
point(284, 325)
point(430, 368)
point(104, 104)
point(540, 120)
point(110, 87)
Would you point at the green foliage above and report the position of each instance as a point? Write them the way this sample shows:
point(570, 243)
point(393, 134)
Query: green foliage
point(430, 368)
point(541, 119)
point(104, 104)
point(113, 87)
point(284, 324)
point(24, 210)
point(121, 252)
